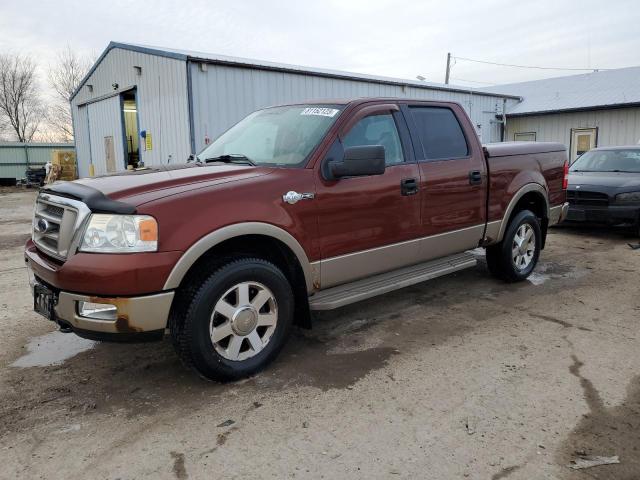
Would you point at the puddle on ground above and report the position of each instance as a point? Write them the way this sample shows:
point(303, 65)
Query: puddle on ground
point(546, 271)
point(52, 349)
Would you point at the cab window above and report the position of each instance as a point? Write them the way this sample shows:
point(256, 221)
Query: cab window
point(377, 130)
point(440, 133)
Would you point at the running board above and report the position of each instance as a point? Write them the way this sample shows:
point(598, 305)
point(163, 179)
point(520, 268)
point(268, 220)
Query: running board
point(342, 295)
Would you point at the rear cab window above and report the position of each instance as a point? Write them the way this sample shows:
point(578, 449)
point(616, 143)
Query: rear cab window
point(439, 133)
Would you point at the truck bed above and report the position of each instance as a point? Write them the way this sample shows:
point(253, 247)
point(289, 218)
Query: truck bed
point(532, 162)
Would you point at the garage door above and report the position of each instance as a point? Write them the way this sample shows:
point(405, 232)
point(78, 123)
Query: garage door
point(105, 128)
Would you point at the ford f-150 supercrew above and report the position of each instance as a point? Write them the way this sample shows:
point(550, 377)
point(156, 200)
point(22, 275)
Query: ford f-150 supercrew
point(296, 208)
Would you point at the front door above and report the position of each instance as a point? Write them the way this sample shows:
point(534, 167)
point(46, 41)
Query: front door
point(453, 179)
point(582, 140)
point(368, 225)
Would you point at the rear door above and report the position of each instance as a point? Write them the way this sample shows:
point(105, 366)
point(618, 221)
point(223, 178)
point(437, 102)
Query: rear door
point(368, 225)
point(453, 178)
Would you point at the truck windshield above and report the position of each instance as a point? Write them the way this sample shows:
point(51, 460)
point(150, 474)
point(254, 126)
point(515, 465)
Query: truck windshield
point(278, 136)
point(608, 161)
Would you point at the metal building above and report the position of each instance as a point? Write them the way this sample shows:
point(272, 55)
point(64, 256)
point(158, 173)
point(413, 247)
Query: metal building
point(582, 111)
point(159, 105)
point(16, 157)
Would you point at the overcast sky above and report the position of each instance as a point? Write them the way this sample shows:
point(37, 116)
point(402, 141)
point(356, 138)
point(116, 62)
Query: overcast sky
point(397, 39)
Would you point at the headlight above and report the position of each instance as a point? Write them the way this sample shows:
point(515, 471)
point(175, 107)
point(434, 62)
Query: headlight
point(120, 234)
point(630, 197)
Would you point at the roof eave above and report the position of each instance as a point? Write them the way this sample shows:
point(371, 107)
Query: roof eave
point(283, 68)
point(612, 106)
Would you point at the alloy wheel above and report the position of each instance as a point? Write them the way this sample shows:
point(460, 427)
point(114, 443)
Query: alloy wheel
point(523, 247)
point(243, 320)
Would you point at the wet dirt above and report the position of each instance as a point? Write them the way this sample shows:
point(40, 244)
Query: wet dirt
point(179, 469)
point(605, 431)
point(380, 389)
point(10, 241)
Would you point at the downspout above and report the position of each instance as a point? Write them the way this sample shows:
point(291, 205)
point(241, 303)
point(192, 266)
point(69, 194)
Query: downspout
point(504, 120)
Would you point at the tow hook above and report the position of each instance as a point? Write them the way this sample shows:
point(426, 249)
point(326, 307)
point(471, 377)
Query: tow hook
point(64, 327)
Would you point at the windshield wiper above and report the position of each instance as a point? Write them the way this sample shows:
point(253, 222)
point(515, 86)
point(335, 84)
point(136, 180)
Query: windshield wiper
point(231, 158)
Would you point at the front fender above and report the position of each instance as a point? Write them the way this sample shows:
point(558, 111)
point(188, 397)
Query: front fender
point(237, 230)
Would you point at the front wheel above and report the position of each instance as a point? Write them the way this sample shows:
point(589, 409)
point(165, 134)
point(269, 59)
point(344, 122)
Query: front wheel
point(516, 256)
point(235, 320)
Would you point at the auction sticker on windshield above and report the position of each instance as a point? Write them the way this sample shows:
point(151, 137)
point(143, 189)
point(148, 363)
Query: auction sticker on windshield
point(323, 112)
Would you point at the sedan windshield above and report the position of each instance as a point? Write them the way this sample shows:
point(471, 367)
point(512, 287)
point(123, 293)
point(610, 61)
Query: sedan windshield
point(279, 136)
point(608, 161)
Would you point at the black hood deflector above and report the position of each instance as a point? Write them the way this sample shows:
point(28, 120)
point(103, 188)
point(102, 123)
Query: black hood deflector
point(97, 201)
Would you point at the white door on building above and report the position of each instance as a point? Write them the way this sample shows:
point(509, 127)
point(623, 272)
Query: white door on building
point(582, 140)
point(107, 144)
point(83, 149)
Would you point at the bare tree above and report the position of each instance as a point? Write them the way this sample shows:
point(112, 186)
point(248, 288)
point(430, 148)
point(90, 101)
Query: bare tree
point(20, 104)
point(64, 78)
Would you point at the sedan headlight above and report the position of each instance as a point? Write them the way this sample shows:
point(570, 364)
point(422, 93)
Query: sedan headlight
point(630, 197)
point(120, 234)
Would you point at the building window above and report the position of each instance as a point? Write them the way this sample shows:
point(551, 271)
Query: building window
point(524, 136)
point(582, 140)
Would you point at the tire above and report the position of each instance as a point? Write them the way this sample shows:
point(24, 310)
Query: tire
point(220, 325)
point(502, 257)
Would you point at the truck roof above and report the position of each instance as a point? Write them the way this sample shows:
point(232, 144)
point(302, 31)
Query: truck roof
point(359, 100)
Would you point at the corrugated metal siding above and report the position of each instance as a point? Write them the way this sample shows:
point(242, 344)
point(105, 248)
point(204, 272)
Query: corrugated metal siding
point(223, 95)
point(105, 120)
point(161, 97)
point(13, 156)
point(615, 127)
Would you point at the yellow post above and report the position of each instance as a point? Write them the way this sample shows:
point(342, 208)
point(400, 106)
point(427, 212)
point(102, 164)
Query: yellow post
point(92, 172)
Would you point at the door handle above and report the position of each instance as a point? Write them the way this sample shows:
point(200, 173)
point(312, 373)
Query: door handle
point(475, 177)
point(408, 186)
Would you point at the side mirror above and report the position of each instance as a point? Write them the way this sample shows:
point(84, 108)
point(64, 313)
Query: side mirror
point(359, 162)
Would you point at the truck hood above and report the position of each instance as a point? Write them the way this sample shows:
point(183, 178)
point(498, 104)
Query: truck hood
point(605, 179)
point(142, 185)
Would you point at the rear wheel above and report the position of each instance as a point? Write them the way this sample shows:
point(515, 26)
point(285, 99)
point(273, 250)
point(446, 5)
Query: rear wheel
point(516, 256)
point(235, 320)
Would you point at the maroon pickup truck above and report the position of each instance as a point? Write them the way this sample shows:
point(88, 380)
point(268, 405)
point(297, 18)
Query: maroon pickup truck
point(296, 208)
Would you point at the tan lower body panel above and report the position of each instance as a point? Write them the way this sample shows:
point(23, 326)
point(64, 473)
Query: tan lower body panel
point(135, 314)
point(386, 282)
point(353, 266)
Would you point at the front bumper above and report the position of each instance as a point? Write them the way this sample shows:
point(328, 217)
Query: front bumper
point(134, 315)
point(139, 316)
point(606, 215)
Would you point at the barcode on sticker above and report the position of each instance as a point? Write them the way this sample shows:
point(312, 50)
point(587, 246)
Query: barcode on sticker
point(323, 112)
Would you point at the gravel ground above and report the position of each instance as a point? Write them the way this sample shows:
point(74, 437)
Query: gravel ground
point(461, 377)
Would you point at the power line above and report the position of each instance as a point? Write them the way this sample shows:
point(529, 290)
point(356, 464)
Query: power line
point(529, 66)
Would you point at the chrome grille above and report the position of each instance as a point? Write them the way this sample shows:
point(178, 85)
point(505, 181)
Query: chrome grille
point(56, 221)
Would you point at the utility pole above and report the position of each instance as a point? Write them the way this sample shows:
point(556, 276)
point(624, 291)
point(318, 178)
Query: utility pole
point(446, 77)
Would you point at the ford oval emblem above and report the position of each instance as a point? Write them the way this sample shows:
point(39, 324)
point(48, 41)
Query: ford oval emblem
point(42, 226)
